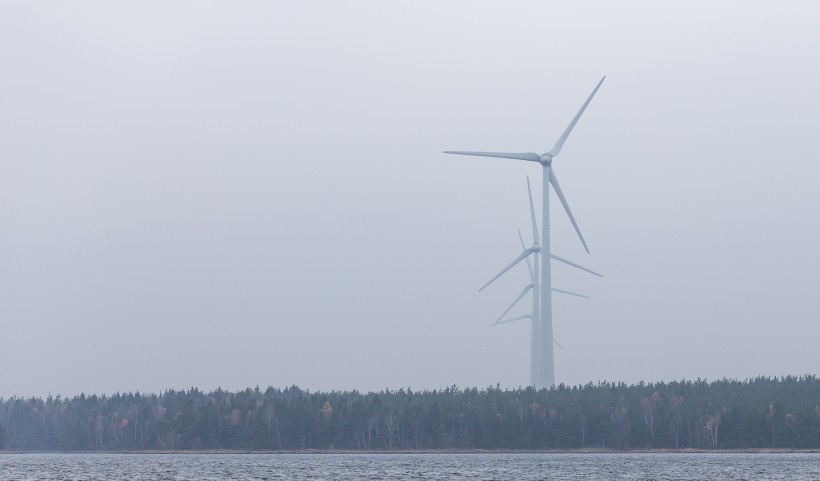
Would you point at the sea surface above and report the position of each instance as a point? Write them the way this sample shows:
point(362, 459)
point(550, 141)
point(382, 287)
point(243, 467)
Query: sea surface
point(195, 467)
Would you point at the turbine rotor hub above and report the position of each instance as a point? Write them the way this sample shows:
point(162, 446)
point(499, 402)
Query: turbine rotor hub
point(546, 159)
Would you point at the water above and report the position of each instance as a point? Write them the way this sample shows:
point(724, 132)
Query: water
point(621, 466)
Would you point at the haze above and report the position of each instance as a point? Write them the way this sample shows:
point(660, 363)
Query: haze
point(253, 193)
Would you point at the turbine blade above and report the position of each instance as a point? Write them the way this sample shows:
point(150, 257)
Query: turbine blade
point(556, 149)
point(531, 156)
point(560, 193)
point(570, 293)
point(529, 265)
point(535, 235)
point(520, 296)
point(561, 259)
point(525, 316)
point(518, 259)
point(557, 344)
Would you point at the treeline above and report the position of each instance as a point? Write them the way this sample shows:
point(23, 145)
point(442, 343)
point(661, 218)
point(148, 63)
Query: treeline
point(755, 413)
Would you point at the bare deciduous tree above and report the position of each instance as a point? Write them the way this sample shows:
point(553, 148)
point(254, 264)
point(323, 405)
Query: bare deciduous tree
point(648, 406)
point(711, 429)
point(620, 416)
point(390, 423)
point(676, 423)
point(770, 420)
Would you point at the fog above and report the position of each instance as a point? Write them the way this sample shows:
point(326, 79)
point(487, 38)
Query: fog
point(232, 194)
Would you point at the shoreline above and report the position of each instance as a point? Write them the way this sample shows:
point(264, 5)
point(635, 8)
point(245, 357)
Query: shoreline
point(434, 451)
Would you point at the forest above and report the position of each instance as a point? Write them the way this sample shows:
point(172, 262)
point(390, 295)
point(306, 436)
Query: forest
point(725, 414)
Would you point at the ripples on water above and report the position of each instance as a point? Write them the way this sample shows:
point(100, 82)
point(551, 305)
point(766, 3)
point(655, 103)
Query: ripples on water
point(620, 466)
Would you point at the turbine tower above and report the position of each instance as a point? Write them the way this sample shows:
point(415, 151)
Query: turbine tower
point(534, 251)
point(543, 345)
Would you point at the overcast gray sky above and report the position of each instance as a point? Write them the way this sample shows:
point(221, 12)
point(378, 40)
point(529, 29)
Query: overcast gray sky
point(253, 193)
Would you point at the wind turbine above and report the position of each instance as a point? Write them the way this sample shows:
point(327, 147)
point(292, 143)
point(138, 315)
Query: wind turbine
point(534, 251)
point(545, 374)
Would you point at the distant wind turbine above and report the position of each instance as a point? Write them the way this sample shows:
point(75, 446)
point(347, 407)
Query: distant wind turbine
point(545, 374)
point(535, 251)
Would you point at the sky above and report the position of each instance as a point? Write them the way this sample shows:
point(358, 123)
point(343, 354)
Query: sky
point(233, 194)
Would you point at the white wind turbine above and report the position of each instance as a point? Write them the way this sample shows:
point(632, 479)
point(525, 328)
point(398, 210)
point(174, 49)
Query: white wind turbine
point(535, 251)
point(545, 373)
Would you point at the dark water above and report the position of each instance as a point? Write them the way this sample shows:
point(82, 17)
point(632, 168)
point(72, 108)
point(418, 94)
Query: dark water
point(105, 467)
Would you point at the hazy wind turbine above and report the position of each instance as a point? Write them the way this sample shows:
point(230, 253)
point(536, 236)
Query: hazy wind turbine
point(543, 344)
point(534, 251)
